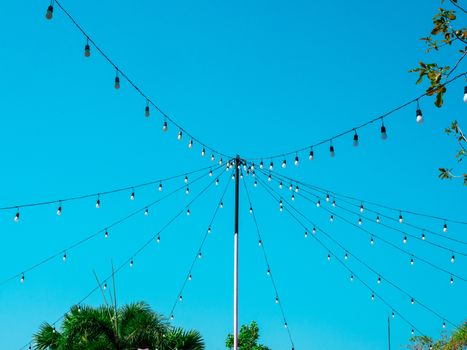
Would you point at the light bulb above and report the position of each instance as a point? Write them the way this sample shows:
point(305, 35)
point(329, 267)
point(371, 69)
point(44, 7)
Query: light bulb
point(203, 152)
point(372, 296)
point(221, 205)
point(377, 220)
point(318, 203)
point(419, 115)
point(147, 113)
point(314, 230)
point(331, 151)
point(117, 82)
point(132, 196)
point(327, 198)
point(384, 134)
point(188, 212)
point(284, 163)
point(404, 240)
point(355, 139)
point(280, 185)
point(190, 144)
point(277, 300)
point(260, 243)
point(209, 230)
point(210, 172)
point(296, 161)
point(220, 161)
point(331, 218)
point(255, 183)
point(16, 219)
point(306, 234)
point(180, 298)
point(131, 263)
point(261, 165)
point(171, 317)
point(268, 272)
point(445, 228)
point(401, 219)
point(359, 221)
point(453, 258)
point(290, 187)
point(296, 189)
point(180, 135)
point(465, 94)
point(423, 236)
point(212, 157)
point(146, 212)
point(190, 277)
point(160, 187)
point(233, 177)
point(412, 332)
point(311, 156)
point(346, 256)
point(351, 278)
point(59, 210)
point(285, 324)
point(217, 182)
point(372, 241)
point(87, 50)
point(444, 324)
point(64, 256)
point(105, 286)
point(269, 177)
point(293, 197)
point(158, 240)
point(334, 203)
point(271, 166)
point(79, 308)
point(362, 209)
point(393, 314)
point(411, 261)
point(22, 278)
point(412, 301)
point(200, 255)
point(106, 234)
point(379, 280)
point(98, 203)
point(329, 257)
point(251, 210)
point(165, 126)
point(452, 280)
point(49, 13)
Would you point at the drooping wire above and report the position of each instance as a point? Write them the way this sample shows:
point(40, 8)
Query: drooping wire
point(349, 253)
point(361, 216)
point(263, 249)
point(123, 75)
point(139, 250)
point(200, 249)
point(286, 208)
point(104, 230)
point(413, 256)
point(127, 188)
point(349, 131)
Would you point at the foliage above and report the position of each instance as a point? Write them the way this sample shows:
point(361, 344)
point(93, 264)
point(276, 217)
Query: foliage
point(247, 338)
point(132, 326)
point(445, 33)
point(456, 341)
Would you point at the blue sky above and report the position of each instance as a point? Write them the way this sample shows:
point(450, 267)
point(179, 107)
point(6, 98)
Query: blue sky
point(251, 78)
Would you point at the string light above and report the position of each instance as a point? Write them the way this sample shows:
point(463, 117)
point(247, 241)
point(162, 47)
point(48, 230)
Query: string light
point(277, 300)
point(217, 182)
point(268, 272)
point(98, 203)
point(180, 135)
point(359, 221)
point(131, 263)
point(331, 218)
point(212, 157)
point(190, 277)
point(329, 257)
point(311, 156)
point(444, 324)
point(418, 114)
point(187, 191)
point(200, 255)
point(296, 160)
point(351, 278)
point(334, 203)
point(346, 256)
point(165, 127)
point(16, 218)
point(362, 209)
point(132, 196)
point(87, 49)
point(331, 149)
point(423, 236)
point(393, 314)
point(105, 286)
point(158, 240)
point(445, 228)
point(405, 239)
point(465, 94)
point(203, 152)
point(180, 298)
point(255, 183)
point(296, 189)
point(384, 134)
point(261, 165)
point(379, 280)
point(412, 301)
point(59, 210)
point(22, 278)
point(327, 198)
point(190, 144)
point(210, 172)
point(372, 241)
point(209, 230)
point(314, 230)
point(453, 258)
point(401, 219)
point(221, 205)
point(412, 261)
point(106, 234)
point(271, 166)
point(412, 332)
point(269, 177)
point(372, 296)
point(251, 210)
point(290, 187)
point(306, 234)
point(147, 113)
point(284, 164)
point(188, 212)
point(220, 161)
point(160, 187)
point(171, 317)
point(293, 197)
point(378, 220)
point(64, 256)
point(50, 11)
point(117, 81)
point(452, 280)
point(318, 203)
point(280, 185)
point(355, 139)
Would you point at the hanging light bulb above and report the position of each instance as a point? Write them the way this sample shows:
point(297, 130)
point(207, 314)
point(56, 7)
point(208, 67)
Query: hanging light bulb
point(269, 177)
point(453, 258)
point(372, 296)
point(285, 325)
point(412, 261)
point(280, 185)
point(314, 230)
point(217, 182)
point(372, 241)
point(423, 236)
point(251, 210)
point(311, 155)
point(412, 301)
point(418, 114)
point(351, 278)
point(268, 272)
point(165, 126)
point(404, 240)
point(200, 255)
point(401, 219)
point(171, 317)
point(209, 230)
point(277, 300)
point(334, 203)
point(445, 228)
point(233, 177)
point(346, 256)
point(255, 183)
point(16, 218)
point(384, 134)
point(465, 94)
point(362, 209)
point(59, 210)
point(146, 212)
point(359, 221)
point(158, 240)
point(331, 150)
point(444, 324)
point(290, 187)
point(261, 165)
point(203, 152)
point(87, 49)
point(284, 163)
point(160, 187)
point(131, 263)
point(379, 280)
point(79, 308)
point(306, 234)
point(452, 280)
point(64, 256)
point(98, 203)
point(132, 196)
point(355, 139)
point(271, 166)
point(117, 81)
point(106, 234)
point(180, 135)
point(327, 198)
point(318, 203)
point(212, 157)
point(393, 314)
point(147, 113)
point(412, 332)
point(180, 298)
point(190, 144)
point(296, 188)
point(221, 205)
point(378, 220)
point(105, 286)
point(296, 160)
point(293, 197)
point(190, 277)
point(329, 257)
point(188, 212)
point(210, 172)
point(331, 218)
point(50, 11)
point(220, 161)
point(260, 243)
point(22, 278)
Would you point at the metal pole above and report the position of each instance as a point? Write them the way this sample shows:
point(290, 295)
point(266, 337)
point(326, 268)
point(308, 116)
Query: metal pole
point(389, 333)
point(235, 318)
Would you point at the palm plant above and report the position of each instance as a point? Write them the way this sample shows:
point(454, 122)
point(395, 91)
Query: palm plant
point(131, 327)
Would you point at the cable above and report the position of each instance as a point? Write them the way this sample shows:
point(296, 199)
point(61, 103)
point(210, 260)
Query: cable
point(198, 252)
point(353, 129)
point(138, 251)
point(261, 244)
point(82, 241)
point(360, 215)
point(398, 248)
point(127, 188)
point(149, 101)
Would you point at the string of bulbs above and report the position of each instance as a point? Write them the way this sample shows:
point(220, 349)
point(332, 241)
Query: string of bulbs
point(192, 139)
point(278, 300)
point(360, 216)
point(373, 236)
point(105, 231)
point(198, 255)
point(129, 262)
point(362, 204)
point(353, 275)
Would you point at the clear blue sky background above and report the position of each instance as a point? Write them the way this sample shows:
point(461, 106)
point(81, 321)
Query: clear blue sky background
point(251, 78)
